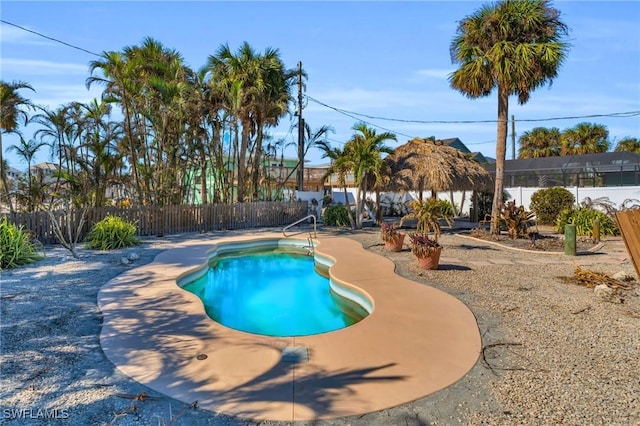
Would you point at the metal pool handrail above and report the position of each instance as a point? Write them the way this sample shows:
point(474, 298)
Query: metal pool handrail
point(315, 234)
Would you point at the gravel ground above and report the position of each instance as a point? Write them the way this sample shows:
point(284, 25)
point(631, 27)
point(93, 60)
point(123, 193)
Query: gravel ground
point(553, 353)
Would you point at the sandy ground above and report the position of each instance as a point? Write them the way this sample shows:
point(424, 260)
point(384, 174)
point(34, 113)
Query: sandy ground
point(553, 353)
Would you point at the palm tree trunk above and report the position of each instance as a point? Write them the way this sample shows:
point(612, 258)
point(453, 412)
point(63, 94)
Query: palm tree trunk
point(358, 208)
point(242, 158)
point(501, 149)
point(256, 163)
point(346, 202)
point(3, 177)
point(378, 208)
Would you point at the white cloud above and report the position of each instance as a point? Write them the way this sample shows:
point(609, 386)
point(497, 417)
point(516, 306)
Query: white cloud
point(438, 73)
point(15, 35)
point(40, 67)
point(405, 104)
point(54, 95)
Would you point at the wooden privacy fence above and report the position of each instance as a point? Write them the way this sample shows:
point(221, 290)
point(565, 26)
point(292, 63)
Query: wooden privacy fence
point(629, 224)
point(166, 220)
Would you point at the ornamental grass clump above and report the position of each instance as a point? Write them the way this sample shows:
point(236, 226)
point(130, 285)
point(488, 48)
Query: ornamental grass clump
point(112, 233)
point(583, 219)
point(17, 247)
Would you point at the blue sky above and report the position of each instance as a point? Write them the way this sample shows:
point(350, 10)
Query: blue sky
point(380, 59)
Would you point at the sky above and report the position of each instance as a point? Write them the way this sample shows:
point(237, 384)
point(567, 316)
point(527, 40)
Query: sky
point(385, 63)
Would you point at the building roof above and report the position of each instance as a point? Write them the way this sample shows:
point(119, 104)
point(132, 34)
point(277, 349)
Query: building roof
point(459, 145)
point(602, 162)
point(44, 166)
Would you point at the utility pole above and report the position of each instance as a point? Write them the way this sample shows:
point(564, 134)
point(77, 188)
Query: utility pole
point(513, 137)
point(513, 145)
point(300, 176)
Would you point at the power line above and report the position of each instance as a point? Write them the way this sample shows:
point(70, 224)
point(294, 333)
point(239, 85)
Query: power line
point(399, 120)
point(49, 38)
point(353, 115)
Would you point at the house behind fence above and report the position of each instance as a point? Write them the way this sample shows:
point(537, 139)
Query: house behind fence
point(165, 220)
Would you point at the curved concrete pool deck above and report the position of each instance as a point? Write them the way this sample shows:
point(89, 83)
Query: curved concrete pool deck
point(416, 341)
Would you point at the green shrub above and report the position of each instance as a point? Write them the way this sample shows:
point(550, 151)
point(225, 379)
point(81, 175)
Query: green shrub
point(583, 219)
point(337, 215)
point(548, 203)
point(16, 246)
point(110, 233)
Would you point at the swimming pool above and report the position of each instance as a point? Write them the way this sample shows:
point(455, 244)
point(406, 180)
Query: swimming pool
point(274, 291)
point(415, 341)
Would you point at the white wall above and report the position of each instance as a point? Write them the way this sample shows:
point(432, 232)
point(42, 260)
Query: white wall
point(522, 196)
point(309, 196)
point(616, 194)
point(397, 197)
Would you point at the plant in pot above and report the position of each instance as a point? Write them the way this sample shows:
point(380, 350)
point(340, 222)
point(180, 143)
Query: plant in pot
point(428, 214)
point(393, 239)
point(426, 250)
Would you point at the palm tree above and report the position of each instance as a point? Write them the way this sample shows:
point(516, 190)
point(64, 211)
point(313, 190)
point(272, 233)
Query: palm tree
point(237, 74)
point(99, 157)
point(121, 87)
point(337, 167)
point(271, 103)
point(56, 132)
point(150, 82)
point(514, 46)
point(628, 144)
point(540, 142)
point(13, 111)
point(257, 87)
point(27, 150)
point(362, 156)
point(585, 138)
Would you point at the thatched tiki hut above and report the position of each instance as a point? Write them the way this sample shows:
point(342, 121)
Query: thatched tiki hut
point(430, 165)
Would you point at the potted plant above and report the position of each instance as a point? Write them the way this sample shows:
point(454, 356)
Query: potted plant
point(426, 250)
point(393, 239)
point(428, 214)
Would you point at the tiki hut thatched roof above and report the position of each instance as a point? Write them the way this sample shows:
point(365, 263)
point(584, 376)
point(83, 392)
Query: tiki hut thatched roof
point(427, 164)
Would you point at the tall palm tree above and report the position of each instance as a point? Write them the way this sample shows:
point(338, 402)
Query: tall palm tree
point(585, 138)
point(515, 46)
point(363, 157)
point(99, 157)
point(628, 144)
point(257, 86)
point(120, 87)
point(13, 112)
point(237, 74)
point(150, 83)
point(271, 102)
point(27, 150)
point(55, 132)
point(338, 167)
point(540, 142)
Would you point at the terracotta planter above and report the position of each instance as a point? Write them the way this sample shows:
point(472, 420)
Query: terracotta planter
point(396, 243)
point(431, 261)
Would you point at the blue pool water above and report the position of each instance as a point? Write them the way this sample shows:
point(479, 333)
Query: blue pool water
point(274, 294)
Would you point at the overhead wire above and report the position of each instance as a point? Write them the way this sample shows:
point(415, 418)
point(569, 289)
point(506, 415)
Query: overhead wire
point(625, 114)
point(49, 38)
point(358, 116)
